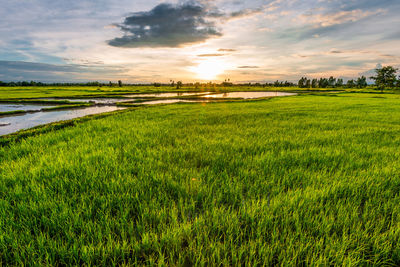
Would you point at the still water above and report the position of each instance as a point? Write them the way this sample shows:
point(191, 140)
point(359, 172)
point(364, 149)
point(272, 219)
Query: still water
point(167, 94)
point(15, 123)
point(171, 101)
point(14, 107)
point(105, 101)
point(249, 95)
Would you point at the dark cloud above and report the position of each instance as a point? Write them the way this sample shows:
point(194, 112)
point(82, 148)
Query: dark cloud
point(244, 13)
point(175, 25)
point(26, 71)
point(211, 55)
point(20, 66)
point(248, 67)
point(168, 25)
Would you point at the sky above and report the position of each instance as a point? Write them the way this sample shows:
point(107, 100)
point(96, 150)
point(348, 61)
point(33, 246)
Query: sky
point(145, 41)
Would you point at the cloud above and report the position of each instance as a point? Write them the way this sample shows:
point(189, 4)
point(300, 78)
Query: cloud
point(341, 17)
point(244, 13)
point(26, 71)
point(392, 36)
point(211, 55)
point(371, 72)
point(248, 67)
point(175, 25)
point(43, 31)
point(226, 50)
point(340, 25)
point(336, 21)
point(168, 25)
point(335, 52)
point(38, 67)
point(367, 4)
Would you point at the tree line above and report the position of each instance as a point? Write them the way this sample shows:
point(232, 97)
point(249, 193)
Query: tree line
point(332, 82)
point(34, 83)
point(385, 77)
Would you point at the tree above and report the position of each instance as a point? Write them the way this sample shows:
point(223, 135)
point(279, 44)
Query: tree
point(385, 77)
point(119, 83)
point(178, 84)
point(323, 82)
point(287, 84)
point(314, 83)
point(350, 84)
point(308, 83)
point(332, 82)
point(339, 83)
point(362, 82)
point(301, 83)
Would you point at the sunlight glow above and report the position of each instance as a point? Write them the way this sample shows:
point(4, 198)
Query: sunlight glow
point(209, 69)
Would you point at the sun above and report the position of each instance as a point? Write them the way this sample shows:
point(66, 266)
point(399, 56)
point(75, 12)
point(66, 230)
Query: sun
point(209, 69)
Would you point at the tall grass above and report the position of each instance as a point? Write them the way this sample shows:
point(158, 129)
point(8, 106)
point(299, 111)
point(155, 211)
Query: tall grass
point(290, 181)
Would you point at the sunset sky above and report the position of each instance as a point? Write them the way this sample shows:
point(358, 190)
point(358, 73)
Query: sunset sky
point(146, 41)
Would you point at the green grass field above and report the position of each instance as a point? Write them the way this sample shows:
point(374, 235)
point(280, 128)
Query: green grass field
point(78, 91)
point(303, 180)
point(95, 91)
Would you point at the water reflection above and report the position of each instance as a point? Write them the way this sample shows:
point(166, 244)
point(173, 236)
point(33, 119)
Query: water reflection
point(15, 123)
point(126, 98)
point(105, 101)
point(170, 101)
point(249, 95)
point(14, 107)
point(167, 94)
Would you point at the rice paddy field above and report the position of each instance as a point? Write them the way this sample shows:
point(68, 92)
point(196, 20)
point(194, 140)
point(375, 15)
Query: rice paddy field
point(302, 180)
point(15, 93)
point(77, 91)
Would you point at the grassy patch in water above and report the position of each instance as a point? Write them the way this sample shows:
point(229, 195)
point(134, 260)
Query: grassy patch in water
point(38, 101)
point(61, 107)
point(12, 112)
